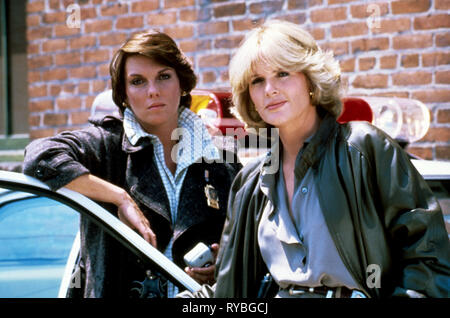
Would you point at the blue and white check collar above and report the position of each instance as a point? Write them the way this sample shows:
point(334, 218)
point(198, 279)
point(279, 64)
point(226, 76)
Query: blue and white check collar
point(189, 125)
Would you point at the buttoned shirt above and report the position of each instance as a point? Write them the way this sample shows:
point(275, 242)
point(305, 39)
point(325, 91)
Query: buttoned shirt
point(295, 243)
point(194, 145)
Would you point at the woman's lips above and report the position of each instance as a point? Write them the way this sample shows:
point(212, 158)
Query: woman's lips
point(275, 105)
point(155, 106)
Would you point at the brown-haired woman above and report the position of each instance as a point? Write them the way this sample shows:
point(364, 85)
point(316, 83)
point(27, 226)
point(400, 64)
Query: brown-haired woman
point(129, 165)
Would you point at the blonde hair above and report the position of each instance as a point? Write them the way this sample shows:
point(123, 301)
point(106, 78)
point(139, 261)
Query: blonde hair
point(284, 46)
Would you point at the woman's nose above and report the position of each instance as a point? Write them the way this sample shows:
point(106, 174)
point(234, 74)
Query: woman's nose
point(153, 90)
point(270, 89)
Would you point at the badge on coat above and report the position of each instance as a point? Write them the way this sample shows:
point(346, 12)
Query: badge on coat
point(212, 197)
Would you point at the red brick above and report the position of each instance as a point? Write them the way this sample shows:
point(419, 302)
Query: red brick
point(432, 96)
point(77, 118)
point(68, 103)
point(98, 26)
point(443, 152)
point(55, 119)
point(410, 60)
point(439, 134)
point(195, 45)
point(189, 15)
point(39, 33)
point(339, 1)
point(83, 42)
point(212, 28)
point(421, 152)
point(392, 94)
point(62, 30)
point(180, 32)
point(408, 6)
point(349, 29)
point(56, 74)
point(393, 26)
point(178, 3)
point(114, 10)
point(229, 9)
point(371, 81)
point(162, 18)
point(443, 39)
point(366, 63)
point(41, 133)
point(96, 56)
point(98, 86)
point(303, 4)
point(83, 72)
point(365, 10)
point(412, 41)
point(443, 116)
point(442, 4)
point(442, 77)
point(54, 45)
point(435, 58)
point(348, 65)
point(412, 78)
point(33, 76)
point(34, 120)
point(40, 105)
point(130, 23)
point(35, 6)
point(71, 58)
point(246, 24)
point(388, 62)
point(371, 44)
point(214, 60)
point(266, 7)
point(33, 20)
point(208, 77)
point(144, 6)
point(328, 14)
point(228, 42)
point(338, 48)
point(432, 22)
point(83, 88)
point(54, 17)
point(33, 48)
point(103, 69)
point(113, 39)
point(40, 61)
point(297, 18)
point(37, 91)
point(88, 13)
point(317, 33)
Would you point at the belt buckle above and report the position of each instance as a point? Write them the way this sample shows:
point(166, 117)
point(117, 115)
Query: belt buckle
point(357, 294)
point(293, 291)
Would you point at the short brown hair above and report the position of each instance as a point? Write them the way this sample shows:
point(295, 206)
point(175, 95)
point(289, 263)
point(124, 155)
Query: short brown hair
point(162, 49)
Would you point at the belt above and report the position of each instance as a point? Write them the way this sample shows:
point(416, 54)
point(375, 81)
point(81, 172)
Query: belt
point(328, 292)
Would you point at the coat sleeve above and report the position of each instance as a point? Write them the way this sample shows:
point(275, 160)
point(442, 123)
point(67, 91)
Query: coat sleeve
point(60, 159)
point(414, 221)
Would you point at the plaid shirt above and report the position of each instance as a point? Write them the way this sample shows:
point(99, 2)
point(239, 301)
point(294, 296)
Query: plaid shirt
point(195, 143)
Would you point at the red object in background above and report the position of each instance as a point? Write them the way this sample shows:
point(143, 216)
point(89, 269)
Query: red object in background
point(354, 108)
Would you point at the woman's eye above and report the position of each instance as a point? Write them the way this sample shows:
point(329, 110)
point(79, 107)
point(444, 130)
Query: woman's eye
point(136, 81)
point(283, 74)
point(164, 76)
point(256, 80)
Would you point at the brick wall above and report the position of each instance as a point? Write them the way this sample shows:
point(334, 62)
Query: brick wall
point(386, 48)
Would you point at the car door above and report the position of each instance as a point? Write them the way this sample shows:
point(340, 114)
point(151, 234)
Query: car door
point(39, 242)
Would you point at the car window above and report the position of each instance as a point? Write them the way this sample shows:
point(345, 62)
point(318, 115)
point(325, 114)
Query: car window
point(36, 235)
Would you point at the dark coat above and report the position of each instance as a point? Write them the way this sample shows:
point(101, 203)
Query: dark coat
point(377, 207)
point(104, 150)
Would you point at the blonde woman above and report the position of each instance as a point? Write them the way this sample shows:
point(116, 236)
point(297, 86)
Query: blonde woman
point(345, 214)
